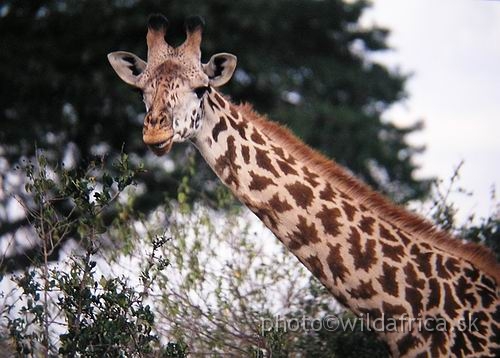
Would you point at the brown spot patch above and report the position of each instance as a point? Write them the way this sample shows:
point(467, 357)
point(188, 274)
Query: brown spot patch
point(388, 280)
point(304, 235)
point(266, 216)
point(316, 267)
point(395, 253)
point(450, 305)
point(233, 112)
point(302, 194)
point(349, 210)
point(220, 101)
point(412, 277)
point(464, 292)
point(459, 348)
point(228, 161)
point(386, 234)
point(414, 298)
point(426, 246)
point(259, 182)
point(437, 332)
point(364, 291)
point(327, 193)
point(345, 196)
point(482, 320)
point(286, 168)
point(257, 138)
point(366, 224)
point(434, 297)
point(212, 104)
point(405, 239)
point(440, 269)
point(471, 273)
point(391, 310)
point(329, 219)
point(279, 152)
point(279, 205)
point(310, 177)
point(406, 343)
point(488, 296)
point(364, 257)
point(219, 127)
point(452, 265)
point(423, 260)
point(239, 126)
point(245, 152)
point(264, 162)
point(336, 263)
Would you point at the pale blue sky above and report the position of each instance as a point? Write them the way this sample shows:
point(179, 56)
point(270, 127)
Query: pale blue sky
point(452, 47)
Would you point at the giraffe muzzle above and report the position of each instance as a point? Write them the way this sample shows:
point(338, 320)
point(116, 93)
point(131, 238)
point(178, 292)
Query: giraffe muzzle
point(157, 133)
point(159, 142)
point(161, 148)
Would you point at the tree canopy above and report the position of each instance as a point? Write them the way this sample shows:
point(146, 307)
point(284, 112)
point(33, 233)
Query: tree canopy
point(303, 63)
point(66, 118)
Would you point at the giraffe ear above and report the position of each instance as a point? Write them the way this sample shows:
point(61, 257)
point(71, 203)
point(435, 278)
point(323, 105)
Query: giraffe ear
point(220, 68)
point(127, 65)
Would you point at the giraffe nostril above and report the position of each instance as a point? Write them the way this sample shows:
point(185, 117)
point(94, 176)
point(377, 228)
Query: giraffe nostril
point(157, 121)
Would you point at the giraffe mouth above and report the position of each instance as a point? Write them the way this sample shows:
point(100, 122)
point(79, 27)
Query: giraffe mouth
point(161, 148)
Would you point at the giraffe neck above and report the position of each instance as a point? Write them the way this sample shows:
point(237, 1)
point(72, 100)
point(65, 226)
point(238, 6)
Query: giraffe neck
point(356, 246)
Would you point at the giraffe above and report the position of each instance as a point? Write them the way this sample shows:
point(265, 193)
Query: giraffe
point(424, 292)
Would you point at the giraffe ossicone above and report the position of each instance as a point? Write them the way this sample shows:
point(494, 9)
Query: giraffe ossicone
point(376, 258)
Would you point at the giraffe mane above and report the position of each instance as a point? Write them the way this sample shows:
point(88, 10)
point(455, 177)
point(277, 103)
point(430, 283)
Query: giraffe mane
point(477, 254)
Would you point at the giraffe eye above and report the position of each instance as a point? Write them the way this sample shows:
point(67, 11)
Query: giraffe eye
point(200, 91)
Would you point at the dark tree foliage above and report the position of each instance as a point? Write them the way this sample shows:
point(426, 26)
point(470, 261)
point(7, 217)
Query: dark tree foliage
point(302, 62)
point(356, 343)
point(487, 232)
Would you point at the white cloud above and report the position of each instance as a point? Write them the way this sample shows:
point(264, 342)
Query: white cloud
point(453, 49)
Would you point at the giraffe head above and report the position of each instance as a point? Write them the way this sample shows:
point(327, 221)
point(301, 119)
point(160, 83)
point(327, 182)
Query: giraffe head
point(173, 82)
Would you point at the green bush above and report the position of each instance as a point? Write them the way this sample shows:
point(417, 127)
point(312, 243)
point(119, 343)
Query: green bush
point(68, 308)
